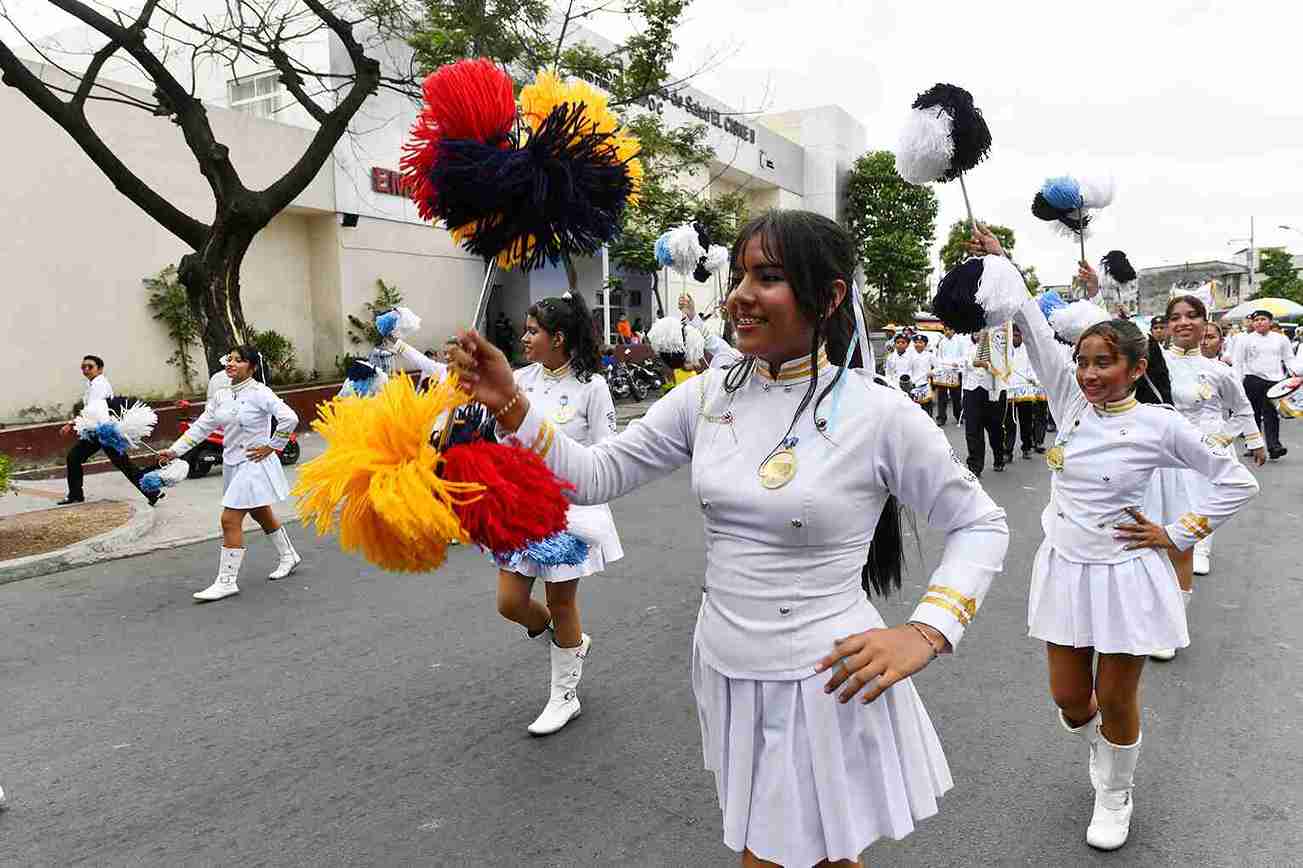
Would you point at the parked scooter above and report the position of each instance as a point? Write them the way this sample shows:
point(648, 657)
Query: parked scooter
point(650, 374)
point(208, 454)
point(622, 382)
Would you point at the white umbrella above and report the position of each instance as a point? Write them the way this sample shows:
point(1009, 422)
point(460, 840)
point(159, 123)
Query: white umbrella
point(1279, 307)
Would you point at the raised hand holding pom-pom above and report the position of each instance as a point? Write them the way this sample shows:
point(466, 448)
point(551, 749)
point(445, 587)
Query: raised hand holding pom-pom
point(485, 374)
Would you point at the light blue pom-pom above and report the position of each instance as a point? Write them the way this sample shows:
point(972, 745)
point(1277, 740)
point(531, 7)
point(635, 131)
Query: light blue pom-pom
point(151, 482)
point(561, 549)
point(663, 256)
point(108, 436)
point(1050, 302)
point(363, 388)
point(1062, 192)
point(385, 323)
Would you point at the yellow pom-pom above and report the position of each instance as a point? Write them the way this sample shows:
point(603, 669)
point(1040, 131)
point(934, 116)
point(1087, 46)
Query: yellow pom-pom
point(378, 477)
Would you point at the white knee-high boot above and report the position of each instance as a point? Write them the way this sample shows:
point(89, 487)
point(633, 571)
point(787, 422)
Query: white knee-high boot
point(228, 570)
point(1203, 556)
point(563, 703)
point(289, 557)
point(1111, 823)
point(1089, 735)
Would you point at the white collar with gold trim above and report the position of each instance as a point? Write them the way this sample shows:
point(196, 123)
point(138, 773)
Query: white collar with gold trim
point(793, 371)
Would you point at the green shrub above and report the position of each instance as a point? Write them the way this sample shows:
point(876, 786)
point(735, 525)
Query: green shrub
point(168, 303)
point(6, 468)
point(362, 332)
point(277, 356)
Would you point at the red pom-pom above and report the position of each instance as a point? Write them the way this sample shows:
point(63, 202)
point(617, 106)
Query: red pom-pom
point(469, 99)
point(524, 502)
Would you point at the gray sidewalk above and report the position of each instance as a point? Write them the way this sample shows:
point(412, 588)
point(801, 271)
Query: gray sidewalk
point(190, 512)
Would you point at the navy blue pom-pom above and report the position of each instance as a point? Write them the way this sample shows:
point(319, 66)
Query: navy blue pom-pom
point(955, 303)
point(1117, 266)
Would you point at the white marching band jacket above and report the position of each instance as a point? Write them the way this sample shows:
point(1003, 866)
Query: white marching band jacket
point(1205, 392)
point(783, 564)
point(1103, 459)
point(245, 413)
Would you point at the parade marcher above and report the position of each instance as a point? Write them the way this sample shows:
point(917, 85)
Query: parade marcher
point(97, 388)
point(984, 410)
point(1102, 587)
point(921, 365)
point(564, 385)
point(1028, 402)
point(1213, 345)
point(898, 361)
point(252, 477)
point(794, 461)
point(947, 375)
point(1262, 358)
point(1206, 392)
point(1158, 330)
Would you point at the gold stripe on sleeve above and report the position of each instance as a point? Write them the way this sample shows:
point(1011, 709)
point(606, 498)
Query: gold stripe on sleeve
point(941, 602)
point(968, 603)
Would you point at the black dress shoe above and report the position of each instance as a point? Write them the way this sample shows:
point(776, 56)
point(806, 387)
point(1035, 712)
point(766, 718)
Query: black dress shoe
point(1277, 453)
point(1026, 455)
point(155, 497)
point(999, 467)
point(1040, 450)
point(70, 499)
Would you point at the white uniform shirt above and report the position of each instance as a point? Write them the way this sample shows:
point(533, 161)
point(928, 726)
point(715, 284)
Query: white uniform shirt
point(1205, 392)
point(1267, 356)
point(974, 377)
point(783, 564)
point(584, 411)
point(411, 357)
point(950, 352)
point(1021, 366)
point(898, 365)
point(244, 412)
point(1109, 456)
point(216, 383)
point(98, 389)
point(920, 366)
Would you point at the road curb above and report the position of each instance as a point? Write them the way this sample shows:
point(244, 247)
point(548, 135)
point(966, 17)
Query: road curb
point(89, 551)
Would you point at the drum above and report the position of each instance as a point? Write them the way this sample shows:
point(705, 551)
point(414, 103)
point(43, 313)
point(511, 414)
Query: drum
point(921, 394)
point(1287, 396)
point(1025, 392)
point(946, 378)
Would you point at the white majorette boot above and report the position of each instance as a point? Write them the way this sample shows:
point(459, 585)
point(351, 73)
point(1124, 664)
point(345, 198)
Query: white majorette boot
point(563, 705)
point(1203, 556)
point(289, 557)
point(228, 569)
point(1111, 822)
point(1088, 732)
point(1167, 654)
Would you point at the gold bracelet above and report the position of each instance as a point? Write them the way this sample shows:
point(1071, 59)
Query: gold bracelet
point(510, 405)
point(919, 630)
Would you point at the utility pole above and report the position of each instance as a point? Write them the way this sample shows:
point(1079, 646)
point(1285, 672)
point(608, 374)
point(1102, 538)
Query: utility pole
point(1253, 265)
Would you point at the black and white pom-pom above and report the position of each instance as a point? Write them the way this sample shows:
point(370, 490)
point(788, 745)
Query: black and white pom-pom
point(1117, 268)
point(944, 135)
point(679, 344)
point(982, 292)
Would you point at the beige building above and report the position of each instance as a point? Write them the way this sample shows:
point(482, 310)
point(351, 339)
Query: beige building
point(75, 251)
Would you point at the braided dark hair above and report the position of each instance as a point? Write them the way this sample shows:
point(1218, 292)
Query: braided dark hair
point(569, 317)
point(814, 253)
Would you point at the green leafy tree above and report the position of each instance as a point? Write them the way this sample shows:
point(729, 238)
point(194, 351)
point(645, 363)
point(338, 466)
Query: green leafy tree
point(955, 250)
point(1282, 280)
point(6, 471)
point(1029, 275)
point(169, 305)
point(893, 223)
point(362, 330)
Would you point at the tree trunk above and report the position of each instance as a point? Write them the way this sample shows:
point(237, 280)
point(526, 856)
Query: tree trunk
point(656, 292)
point(211, 276)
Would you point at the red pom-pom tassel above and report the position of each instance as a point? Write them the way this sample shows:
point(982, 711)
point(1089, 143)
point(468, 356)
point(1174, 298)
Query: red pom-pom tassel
point(469, 99)
point(524, 502)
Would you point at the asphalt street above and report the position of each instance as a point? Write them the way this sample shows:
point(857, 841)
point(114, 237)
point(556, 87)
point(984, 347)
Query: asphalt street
point(346, 716)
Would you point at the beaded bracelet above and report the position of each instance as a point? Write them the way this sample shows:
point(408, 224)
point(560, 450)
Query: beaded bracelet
point(919, 630)
point(510, 405)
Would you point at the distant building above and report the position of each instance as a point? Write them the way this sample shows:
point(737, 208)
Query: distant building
point(1228, 282)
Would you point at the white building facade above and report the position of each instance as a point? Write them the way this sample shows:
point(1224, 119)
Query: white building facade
point(75, 251)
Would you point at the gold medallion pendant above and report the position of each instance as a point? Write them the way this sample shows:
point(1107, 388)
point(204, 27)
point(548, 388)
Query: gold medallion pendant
point(1054, 457)
point(564, 413)
point(780, 467)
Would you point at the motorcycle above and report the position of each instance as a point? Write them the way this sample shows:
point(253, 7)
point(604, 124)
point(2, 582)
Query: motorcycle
point(208, 454)
point(622, 382)
point(649, 374)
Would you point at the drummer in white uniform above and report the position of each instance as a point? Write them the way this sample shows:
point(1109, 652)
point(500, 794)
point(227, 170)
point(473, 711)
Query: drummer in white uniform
point(816, 735)
point(564, 385)
point(252, 477)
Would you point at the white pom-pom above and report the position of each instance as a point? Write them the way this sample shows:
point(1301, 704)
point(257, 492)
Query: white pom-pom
point(666, 335)
point(137, 422)
point(694, 351)
point(1069, 322)
point(408, 323)
point(926, 146)
point(1001, 291)
point(91, 416)
point(684, 247)
point(716, 258)
point(1096, 190)
point(174, 472)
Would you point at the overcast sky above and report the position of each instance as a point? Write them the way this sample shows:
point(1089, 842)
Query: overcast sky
point(1194, 107)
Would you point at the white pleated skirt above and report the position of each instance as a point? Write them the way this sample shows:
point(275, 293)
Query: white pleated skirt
point(252, 484)
point(594, 525)
point(1134, 607)
point(1172, 492)
point(802, 778)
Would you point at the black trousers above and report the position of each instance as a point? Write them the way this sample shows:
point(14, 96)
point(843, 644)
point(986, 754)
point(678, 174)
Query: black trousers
point(1032, 417)
point(983, 416)
point(949, 396)
point(84, 449)
point(1264, 412)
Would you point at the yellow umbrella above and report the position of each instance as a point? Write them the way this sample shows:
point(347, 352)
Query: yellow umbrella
point(1279, 307)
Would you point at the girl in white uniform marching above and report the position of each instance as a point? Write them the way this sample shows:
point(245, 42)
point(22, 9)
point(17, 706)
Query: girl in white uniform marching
point(564, 386)
point(1101, 585)
point(1211, 398)
point(252, 477)
point(815, 733)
